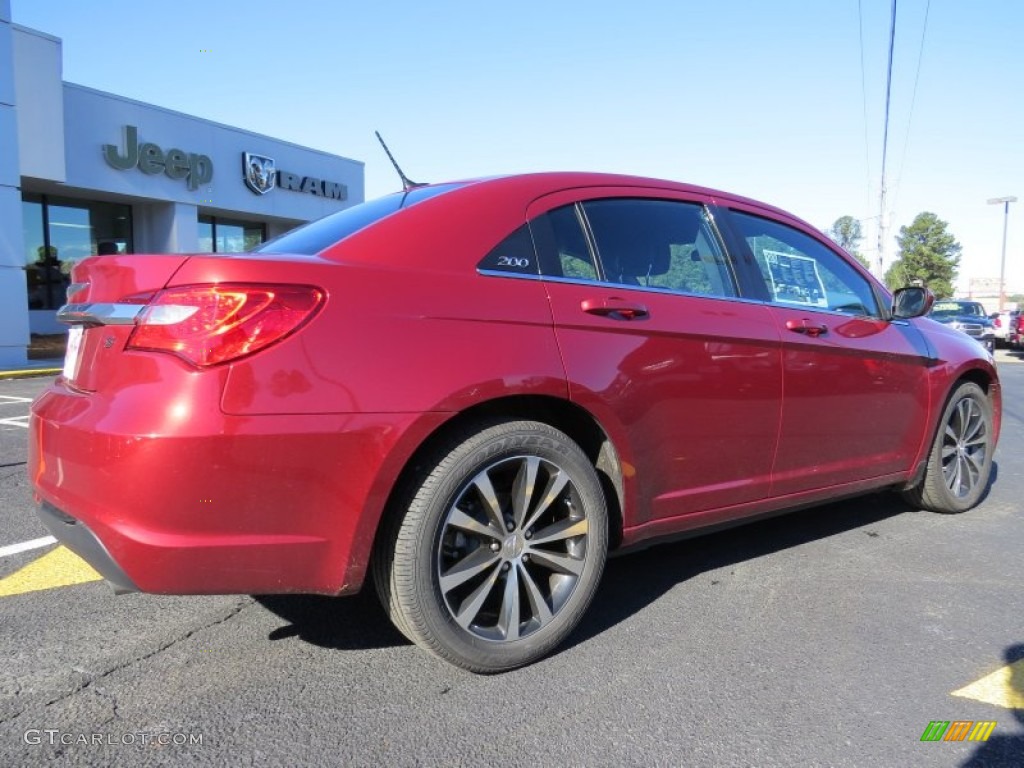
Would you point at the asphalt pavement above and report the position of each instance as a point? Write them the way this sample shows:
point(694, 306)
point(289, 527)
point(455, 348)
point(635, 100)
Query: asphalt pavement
point(831, 636)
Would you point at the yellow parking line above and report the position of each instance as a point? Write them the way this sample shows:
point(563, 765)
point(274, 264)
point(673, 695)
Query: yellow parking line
point(59, 568)
point(1003, 688)
point(29, 372)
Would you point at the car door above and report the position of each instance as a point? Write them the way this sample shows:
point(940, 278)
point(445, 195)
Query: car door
point(659, 345)
point(856, 397)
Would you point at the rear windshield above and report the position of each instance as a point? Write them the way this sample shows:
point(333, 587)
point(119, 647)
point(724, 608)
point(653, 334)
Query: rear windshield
point(320, 234)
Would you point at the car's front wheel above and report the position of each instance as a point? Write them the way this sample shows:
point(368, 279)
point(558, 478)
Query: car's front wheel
point(960, 460)
point(498, 548)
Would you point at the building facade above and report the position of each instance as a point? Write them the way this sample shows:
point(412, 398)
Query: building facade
point(85, 172)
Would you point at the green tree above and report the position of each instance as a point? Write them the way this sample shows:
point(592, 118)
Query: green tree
point(929, 253)
point(846, 232)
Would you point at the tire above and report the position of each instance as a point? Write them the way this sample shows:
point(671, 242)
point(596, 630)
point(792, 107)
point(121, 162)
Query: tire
point(960, 460)
point(498, 550)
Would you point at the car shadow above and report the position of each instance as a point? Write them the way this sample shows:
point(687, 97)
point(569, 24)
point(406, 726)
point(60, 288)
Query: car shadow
point(633, 581)
point(630, 582)
point(1004, 749)
point(341, 623)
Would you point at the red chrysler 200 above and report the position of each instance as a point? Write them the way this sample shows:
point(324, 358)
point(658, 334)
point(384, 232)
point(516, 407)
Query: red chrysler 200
point(473, 392)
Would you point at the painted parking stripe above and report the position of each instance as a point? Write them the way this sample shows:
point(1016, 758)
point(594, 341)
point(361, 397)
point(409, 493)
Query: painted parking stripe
point(11, 399)
point(27, 546)
point(59, 568)
point(16, 421)
point(1003, 688)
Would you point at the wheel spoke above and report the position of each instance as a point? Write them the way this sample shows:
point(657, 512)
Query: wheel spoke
point(459, 519)
point(556, 561)
point(538, 604)
point(556, 484)
point(563, 529)
point(953, 482)
point(508, 617)
point(475, 563)
point(522, 489)
point(470, 607)
point(482, 483)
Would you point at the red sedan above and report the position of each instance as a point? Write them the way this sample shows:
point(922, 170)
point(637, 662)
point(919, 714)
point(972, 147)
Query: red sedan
point(474, 391)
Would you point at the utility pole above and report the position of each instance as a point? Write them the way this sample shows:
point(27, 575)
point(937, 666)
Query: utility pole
point(1002, 261)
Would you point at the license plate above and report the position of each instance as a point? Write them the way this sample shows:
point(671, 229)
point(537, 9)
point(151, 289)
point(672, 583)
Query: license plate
point(73, 353)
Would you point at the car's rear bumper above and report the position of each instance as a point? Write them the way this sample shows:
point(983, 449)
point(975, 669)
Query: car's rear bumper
point(213, 504)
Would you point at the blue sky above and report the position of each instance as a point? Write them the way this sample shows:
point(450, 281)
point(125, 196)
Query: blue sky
point(765, 99)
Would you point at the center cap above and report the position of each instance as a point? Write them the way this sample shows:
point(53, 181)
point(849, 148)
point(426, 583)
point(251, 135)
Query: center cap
point(513, 546)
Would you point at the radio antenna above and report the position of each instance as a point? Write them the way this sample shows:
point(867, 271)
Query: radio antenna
point(407, 184)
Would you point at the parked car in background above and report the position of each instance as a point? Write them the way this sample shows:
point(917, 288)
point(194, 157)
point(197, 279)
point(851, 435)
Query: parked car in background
point(470, 393)
point(1005, 325)
point(968, 317)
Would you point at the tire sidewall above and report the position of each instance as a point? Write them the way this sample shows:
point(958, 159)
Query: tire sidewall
point(953, 503)
point(505, 441)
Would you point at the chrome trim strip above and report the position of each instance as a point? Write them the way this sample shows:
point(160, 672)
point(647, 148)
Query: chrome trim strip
point(671, 292)
point(99, 314)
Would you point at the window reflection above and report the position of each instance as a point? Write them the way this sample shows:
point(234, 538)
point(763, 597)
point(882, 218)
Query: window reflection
point(58, 232)
point(217, 235)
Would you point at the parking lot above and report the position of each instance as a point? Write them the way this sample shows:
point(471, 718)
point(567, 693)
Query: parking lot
point(831, 636)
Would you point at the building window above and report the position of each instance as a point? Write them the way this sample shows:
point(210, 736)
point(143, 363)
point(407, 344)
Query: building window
point(217, 235)
point(60, 231)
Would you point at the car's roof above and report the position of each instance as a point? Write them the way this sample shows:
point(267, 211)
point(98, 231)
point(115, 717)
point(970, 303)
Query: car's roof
point(533, 185)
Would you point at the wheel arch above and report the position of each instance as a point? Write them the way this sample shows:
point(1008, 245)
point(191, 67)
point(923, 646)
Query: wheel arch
point(576, 422)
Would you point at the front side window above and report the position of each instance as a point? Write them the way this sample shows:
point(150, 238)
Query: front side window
point(800, 271)
point(659, 244)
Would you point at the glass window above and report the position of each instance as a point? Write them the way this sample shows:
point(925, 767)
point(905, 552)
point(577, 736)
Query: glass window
point(574, 256)
point(800, 271)
point(320, 234)
point(218, 235)
point(659, 244)
point(513, 254)
point(60, 231)
point(206, 234)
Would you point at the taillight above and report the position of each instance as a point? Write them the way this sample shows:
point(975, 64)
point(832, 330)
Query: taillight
point(997, 322)
point(211, 324)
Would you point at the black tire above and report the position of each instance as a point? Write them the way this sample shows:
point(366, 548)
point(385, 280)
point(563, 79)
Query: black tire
point(485, 598)
point(960, 460)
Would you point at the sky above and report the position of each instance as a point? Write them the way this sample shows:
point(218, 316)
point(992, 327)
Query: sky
point(781, 101)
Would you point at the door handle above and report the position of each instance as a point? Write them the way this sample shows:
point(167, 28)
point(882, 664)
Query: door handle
point(805, 326)
point(615, 308)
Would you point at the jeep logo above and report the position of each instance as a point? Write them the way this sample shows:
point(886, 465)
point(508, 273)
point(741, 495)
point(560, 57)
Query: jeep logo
point(150, 159)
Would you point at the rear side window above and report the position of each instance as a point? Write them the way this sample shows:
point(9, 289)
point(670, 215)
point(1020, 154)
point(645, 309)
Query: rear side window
point(513, 254)
point(800, 271)
point(320, 234)
point(564, 245)
point(659, 244)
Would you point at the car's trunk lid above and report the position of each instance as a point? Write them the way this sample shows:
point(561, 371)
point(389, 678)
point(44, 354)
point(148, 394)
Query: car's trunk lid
point(105, 296)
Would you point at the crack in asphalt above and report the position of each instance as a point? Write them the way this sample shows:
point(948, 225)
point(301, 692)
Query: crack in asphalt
point(88, 683)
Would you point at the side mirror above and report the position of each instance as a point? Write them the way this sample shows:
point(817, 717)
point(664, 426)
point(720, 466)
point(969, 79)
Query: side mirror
point(911, 302)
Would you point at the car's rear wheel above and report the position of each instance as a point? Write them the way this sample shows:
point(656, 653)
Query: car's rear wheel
point(498, 549)
point(960, 460)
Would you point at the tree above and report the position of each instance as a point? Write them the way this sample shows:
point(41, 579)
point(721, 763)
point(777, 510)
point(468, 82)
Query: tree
point(929, 253)
point(846, 232)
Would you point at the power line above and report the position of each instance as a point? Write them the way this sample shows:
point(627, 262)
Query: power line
point(913, 100)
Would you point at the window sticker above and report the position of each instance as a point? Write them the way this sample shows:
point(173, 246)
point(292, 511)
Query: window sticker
point(795, 279)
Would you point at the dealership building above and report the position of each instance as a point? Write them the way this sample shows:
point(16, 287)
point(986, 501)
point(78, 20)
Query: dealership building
point(85, 172)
